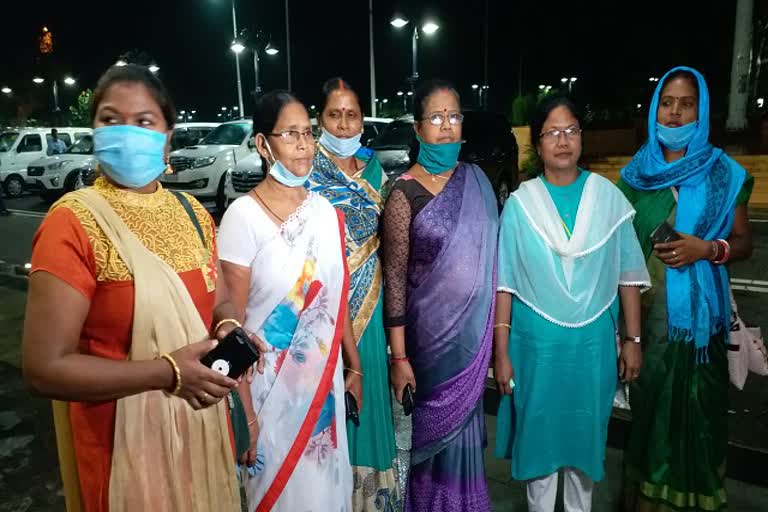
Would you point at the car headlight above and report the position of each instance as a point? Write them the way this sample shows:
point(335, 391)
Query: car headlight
point(203, 161)
point(58, 165)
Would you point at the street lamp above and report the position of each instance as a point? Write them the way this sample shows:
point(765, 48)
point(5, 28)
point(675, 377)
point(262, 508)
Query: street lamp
point(237, 46)
point(154, 68)
point(429, 28)
point(121, 63)
point(69, 80)
point(6, 90)
point(653, 79)
point(38, 80)
point(269, 50)
point(398, 22)
point(237, 56)
point(569, 81)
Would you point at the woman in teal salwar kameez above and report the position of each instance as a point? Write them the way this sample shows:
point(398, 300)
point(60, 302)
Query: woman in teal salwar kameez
point(567, 252)
point(352, 179)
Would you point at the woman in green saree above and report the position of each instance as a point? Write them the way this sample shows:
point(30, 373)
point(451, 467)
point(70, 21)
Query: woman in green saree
point(351, 178)
point(675, 458)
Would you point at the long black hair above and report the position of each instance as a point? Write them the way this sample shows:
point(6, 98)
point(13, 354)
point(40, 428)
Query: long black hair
point(134, 73)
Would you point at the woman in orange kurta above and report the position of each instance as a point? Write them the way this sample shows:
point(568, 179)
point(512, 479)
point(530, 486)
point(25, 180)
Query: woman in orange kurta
point(80, 313)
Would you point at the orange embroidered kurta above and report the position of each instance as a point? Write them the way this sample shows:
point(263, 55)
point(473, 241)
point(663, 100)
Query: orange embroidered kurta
point(71, 246)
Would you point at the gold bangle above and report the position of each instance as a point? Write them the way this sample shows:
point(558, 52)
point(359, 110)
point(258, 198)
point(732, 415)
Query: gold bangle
point(176, 373)
point(354, 371)
point(226, 320)
point(502, 325)
point(254, 420)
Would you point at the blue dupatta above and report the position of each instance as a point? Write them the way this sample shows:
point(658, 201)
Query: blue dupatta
point(708, 182)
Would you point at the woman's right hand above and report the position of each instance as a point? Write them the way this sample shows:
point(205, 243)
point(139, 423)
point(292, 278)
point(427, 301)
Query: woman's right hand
point(200, 386)
point(503, 373)
point(401, 374)
point(249, 457)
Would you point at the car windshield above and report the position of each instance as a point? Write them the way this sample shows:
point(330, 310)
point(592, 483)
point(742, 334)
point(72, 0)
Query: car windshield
point(394, 135)
point(232, 134)
point(7, 139)
point(83, 146)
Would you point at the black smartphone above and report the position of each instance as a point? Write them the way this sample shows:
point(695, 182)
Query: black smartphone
point(407, 400)
point(664, 233)
point(351, 404)
point(233, 355)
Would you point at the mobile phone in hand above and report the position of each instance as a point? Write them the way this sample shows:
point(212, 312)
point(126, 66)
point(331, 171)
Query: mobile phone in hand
point(353, 413)
point(233, 355)
point(664, 233)
point(407, 400)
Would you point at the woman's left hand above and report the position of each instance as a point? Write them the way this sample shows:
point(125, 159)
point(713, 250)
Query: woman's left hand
point(354, 384)
point(630, 361)
point(683, 252)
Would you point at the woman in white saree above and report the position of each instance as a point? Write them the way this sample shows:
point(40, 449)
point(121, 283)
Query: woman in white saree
point(282, 250)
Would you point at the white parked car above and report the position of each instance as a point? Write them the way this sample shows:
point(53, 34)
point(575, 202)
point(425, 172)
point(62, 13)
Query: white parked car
point(249, 172)
point(189, 134)
point(201, 170)
point(20, 147)
point(56, 175)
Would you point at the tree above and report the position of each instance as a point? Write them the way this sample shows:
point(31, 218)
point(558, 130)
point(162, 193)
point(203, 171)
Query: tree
point(80, 112)
point(522, 107)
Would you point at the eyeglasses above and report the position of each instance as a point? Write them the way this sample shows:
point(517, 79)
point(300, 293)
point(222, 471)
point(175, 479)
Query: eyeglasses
point(438, 118)
point(293, 136)
point(572, 132)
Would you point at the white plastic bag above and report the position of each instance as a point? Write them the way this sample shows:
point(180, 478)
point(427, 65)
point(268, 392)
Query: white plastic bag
point(758, 356)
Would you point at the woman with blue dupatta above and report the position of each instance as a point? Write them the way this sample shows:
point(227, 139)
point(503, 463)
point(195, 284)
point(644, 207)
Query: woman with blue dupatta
point(351, 178)
point(439, 245)
point(675, 459)
point(283, 255)
point(568, 255)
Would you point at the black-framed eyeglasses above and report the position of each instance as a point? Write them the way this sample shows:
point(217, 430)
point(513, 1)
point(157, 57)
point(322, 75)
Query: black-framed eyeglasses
point(293, 136)
point(438, 118)
point(570, 133)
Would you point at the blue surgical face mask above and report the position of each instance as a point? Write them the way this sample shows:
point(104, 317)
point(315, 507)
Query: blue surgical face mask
point(131, 156)
point(343, 148)
point(281, 173)
point(678, 138)
point(437, 158)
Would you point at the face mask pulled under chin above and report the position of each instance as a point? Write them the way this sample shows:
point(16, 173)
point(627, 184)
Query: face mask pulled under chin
point(284, 176)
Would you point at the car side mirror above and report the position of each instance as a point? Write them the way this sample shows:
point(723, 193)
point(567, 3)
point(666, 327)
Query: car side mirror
point(252, 144)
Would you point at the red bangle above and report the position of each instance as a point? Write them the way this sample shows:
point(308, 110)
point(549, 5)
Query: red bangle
point(403, 359)
point(726, 252)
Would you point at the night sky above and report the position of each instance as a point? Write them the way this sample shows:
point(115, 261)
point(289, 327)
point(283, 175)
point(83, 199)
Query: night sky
point(612, 47)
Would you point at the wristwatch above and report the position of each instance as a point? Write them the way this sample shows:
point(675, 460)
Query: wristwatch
point(633, 339)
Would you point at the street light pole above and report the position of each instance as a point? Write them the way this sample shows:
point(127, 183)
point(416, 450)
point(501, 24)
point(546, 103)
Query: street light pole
point(288, 42)
point(237, 59)
point(372, 61)
point(415, 56)
point(56, 107)
point(257, 89)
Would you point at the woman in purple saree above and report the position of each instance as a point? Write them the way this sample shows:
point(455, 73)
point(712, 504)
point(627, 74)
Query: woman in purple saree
point(439, 242)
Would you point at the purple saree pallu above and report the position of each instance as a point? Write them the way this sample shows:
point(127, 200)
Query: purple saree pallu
point(449, 331)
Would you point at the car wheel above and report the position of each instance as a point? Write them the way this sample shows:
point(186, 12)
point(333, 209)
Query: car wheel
point(74, 181)
point(14, 186)
point(222, 201)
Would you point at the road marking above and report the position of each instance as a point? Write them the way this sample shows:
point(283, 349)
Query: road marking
point(28, 213)
point(756, 289)
point(748, 281)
